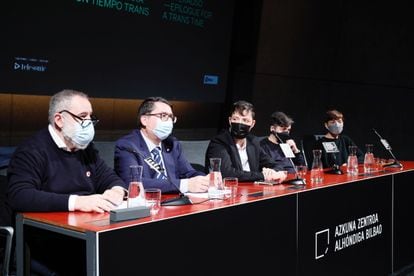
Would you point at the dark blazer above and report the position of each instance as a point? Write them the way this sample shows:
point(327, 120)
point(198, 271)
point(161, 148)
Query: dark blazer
point(175, 163)
point(224, 147)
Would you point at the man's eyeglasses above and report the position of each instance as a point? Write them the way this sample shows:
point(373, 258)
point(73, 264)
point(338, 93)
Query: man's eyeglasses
point(82, 121)
point(164, 116)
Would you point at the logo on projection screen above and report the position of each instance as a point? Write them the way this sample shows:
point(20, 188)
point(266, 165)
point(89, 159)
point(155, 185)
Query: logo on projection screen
point(211, 79)
point(30, 64)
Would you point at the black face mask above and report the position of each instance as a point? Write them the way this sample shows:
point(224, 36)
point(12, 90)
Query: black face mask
point(284, 136)
point(239, 131)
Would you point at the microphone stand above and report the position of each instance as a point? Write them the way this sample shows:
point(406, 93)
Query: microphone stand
point(175, 201)
point(335, 168)
point(304, 155)
point(387, 146)
point(297, 180)
point(182, 199)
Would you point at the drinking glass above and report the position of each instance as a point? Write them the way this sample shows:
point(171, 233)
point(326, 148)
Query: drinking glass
point(230, 184)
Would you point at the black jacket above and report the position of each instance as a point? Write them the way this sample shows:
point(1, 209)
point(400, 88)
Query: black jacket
point(223, 146)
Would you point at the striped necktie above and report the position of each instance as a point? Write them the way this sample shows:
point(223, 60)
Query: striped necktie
point(156, 154)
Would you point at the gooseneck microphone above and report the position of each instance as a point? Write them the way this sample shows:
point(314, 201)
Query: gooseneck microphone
point(297, 180)
point(387, 146)
point(176, 201)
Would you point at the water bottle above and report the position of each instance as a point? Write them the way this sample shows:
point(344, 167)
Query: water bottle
point(369, 160)
point(317, 167)
point(352, 163)
point(136, 193)
point(216, 188)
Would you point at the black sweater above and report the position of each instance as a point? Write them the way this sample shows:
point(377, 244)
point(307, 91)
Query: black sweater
point(41, 177)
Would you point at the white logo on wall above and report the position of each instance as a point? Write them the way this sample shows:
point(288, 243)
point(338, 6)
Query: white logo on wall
point(321, 243)
point(348, 234)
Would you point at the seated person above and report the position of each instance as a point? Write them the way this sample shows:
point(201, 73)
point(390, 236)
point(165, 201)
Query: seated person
point(58, 169)
point(240, 152)
point(155, 124)
point(334, 123)
point(280, 128)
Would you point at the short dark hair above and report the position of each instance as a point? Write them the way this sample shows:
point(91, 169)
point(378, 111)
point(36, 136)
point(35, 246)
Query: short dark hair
point(281, 119)
point(147, 106)
point(242, 107)
point(333, 114)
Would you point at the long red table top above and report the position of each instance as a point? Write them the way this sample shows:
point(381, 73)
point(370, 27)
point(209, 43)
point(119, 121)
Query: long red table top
point(82, 222)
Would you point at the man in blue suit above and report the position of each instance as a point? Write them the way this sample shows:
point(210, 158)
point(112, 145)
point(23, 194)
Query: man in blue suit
point(153, 140)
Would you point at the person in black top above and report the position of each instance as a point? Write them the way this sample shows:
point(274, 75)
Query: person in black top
point(280, 127)
point(334, 123)
point(240, 151)
point(58, 169)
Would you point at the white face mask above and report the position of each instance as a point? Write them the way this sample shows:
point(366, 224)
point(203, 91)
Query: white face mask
point(163, 129)
point(335, 128)
point(79, 136)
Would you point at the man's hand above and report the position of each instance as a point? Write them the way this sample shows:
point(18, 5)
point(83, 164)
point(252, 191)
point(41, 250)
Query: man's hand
point(198, 184)
point(115, 195)
point(272, 175)
point(94, 203)
point(293, 146)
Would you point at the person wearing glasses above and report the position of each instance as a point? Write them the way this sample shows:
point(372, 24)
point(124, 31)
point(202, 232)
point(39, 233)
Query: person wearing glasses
point(153, 141)
point(58, 169)
point(240, 151)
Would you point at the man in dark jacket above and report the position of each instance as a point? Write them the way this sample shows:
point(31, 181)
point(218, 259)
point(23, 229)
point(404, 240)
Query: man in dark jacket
point(240, 151)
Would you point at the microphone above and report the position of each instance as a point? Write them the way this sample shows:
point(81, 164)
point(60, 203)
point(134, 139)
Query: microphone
point(330, 147)
point(176, 201)
point(303, 153)
point(297, 180)
point(387, 146)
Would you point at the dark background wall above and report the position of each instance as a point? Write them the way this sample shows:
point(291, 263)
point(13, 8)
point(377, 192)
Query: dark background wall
point(301, 57)
point(351, 55)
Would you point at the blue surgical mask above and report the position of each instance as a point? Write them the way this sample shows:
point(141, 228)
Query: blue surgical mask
point(163, 129)
point(79, 136)
point(83, 135)
point(335, 128)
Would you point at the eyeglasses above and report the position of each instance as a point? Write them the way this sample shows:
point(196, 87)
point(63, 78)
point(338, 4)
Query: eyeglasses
point(164, 116)
point(83, 121)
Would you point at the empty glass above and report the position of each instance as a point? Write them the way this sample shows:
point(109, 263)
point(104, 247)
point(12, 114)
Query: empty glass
point(301, 170)
point(153, 199)
point(230, 185)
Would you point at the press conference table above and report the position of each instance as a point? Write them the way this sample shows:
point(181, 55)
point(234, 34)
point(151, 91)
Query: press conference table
point(343, 226)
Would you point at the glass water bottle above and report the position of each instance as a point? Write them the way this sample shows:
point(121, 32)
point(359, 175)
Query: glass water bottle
point(317, 167)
